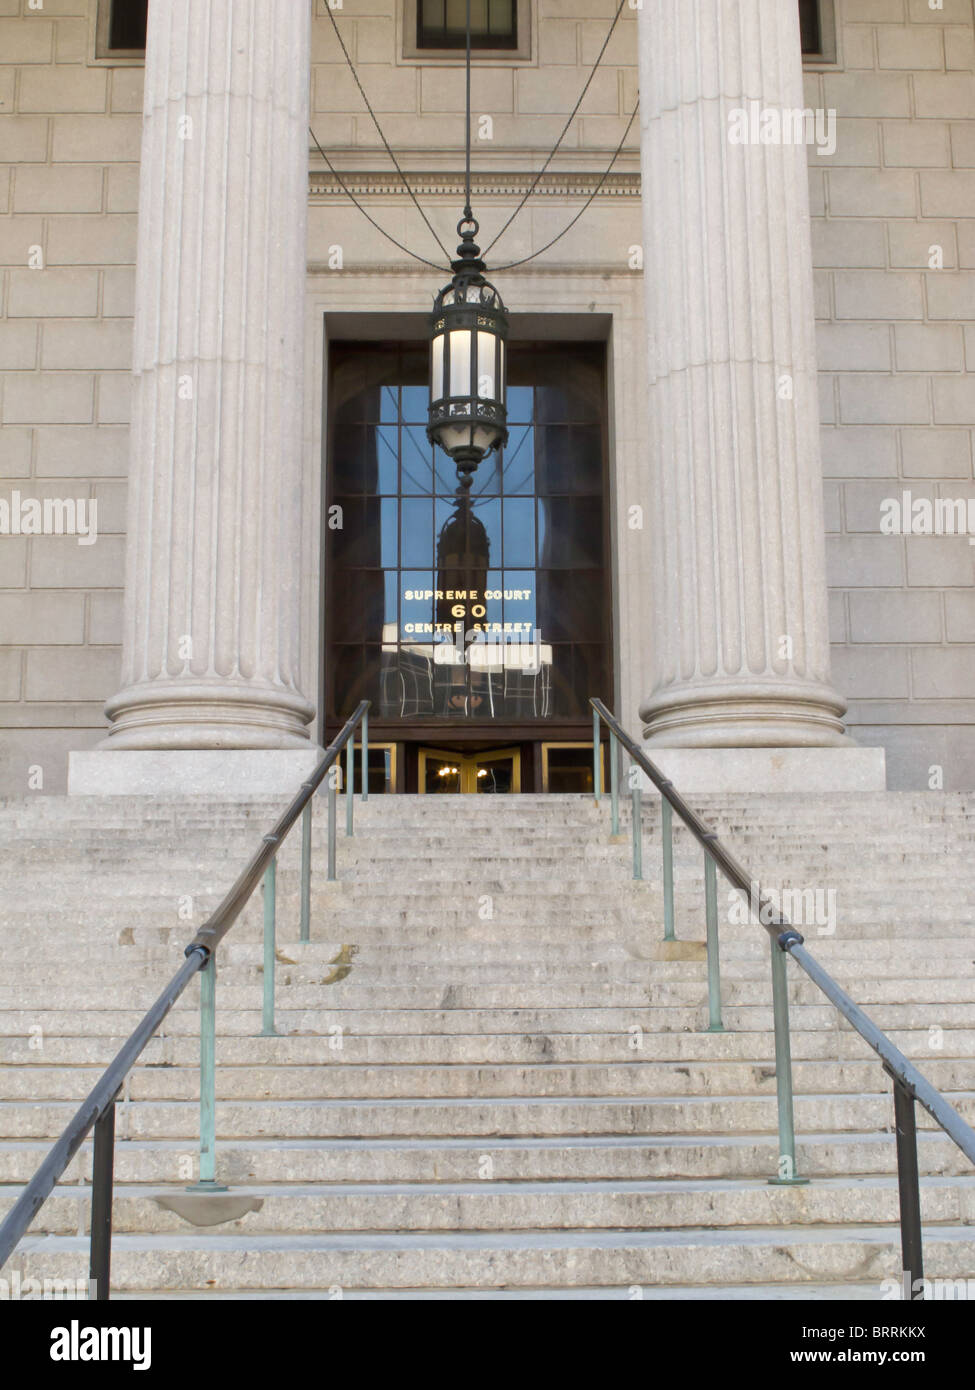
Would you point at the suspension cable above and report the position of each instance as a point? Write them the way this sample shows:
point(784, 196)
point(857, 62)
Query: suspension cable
point(382, 137)
point(558, 142)
point(603, 177)
point(349, 194)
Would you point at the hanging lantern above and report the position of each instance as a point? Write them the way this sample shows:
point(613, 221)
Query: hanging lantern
point(467, 361)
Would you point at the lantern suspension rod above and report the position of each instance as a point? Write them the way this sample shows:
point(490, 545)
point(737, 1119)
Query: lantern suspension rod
point(467, 172)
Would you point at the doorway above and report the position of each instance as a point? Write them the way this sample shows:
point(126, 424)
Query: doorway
point(471, 622)
point(494, 772)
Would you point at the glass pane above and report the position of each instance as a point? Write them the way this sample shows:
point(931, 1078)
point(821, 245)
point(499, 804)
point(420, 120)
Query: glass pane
point(501, 16)
point(494, 602)
point(390, 527)
point(391, 605)
point(346, 666)
point(460, 362)
point(495, 775)
point(570, 532)
point(357, 543)
point(417, 607)
point(417, 532)
point(568, 459)
point(520, 600)
point(487, 479)
point(348, 456)
point(382, 459)
point(358, 600)
point(519, 531)
point(441, 774)
point(417, 461)
point(569, 770)
point(521, 404)
point(519, 460)
point(445, 472)
point(487, 511)
point(571, 605)
point(380, 769)
point(486, 366)
point(415, 401)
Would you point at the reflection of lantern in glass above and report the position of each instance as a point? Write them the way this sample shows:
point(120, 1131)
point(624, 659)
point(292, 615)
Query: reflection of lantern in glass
point(467, 362)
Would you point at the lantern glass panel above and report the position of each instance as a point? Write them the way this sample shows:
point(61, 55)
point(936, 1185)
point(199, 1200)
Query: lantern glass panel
point(485, 437)
point(486, 384)
point(455, 436)
point(460, 362)
point(436, 376)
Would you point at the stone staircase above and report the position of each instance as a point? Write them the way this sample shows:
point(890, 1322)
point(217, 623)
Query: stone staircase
point(492, 1077)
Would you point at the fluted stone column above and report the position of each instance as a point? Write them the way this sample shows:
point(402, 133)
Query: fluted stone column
point(212, 581)
point(739, 606)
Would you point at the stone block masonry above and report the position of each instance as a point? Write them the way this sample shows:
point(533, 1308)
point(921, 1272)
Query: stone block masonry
point(892, 210)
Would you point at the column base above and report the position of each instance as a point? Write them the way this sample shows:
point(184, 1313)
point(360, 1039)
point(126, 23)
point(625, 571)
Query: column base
point(771, 770)
point(203, 714)
point(779, 714)
point(212, 772)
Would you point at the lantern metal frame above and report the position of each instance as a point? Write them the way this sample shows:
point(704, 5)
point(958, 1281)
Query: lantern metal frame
point(470, 423)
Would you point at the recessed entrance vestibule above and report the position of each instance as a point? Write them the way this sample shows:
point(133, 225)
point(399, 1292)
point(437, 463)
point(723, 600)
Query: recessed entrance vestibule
point(478, 623)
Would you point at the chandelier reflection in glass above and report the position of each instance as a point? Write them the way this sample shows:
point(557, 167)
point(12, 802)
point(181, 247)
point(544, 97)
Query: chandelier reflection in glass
point(468, 418)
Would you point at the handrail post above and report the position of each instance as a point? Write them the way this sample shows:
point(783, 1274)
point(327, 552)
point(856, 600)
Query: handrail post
point(333, 774)
point(305, 931)
point(597, 772)
point(102, 1191)
point(909, 1190)
point(270, 884)
point(614, 783)
point(788, 1172)
point(208, 1079)
point(667, 838)
point(349, 784)
point(365, 756)
point(715, 1024)
point(637, 817)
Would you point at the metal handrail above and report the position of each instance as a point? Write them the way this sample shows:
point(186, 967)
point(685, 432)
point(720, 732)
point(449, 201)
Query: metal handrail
point(910, 1085)
point(97, 1110)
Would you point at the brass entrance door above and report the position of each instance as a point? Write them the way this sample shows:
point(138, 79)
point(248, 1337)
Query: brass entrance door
point(496, 771)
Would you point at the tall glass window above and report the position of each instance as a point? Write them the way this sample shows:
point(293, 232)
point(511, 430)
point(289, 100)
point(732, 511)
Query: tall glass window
point(442, 608)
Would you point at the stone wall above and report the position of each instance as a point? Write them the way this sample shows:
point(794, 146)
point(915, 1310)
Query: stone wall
point(896, 356)
point(69, 141)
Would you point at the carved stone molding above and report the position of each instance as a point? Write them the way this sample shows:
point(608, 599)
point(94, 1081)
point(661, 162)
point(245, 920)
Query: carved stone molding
point(386, 184)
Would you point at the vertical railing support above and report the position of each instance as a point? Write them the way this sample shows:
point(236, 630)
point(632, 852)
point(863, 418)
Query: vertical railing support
point(102, 1187)
point(715, 1024)
point(305, 929)
point(667, 839)
point(270, 884)
point(349, 785)
point(365, 756)
point(208, 1080)
point(614, 783)
point(597, 771)
point(909, 1188)
point(637, 817)
point(788, 1172)
point(333, 776)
